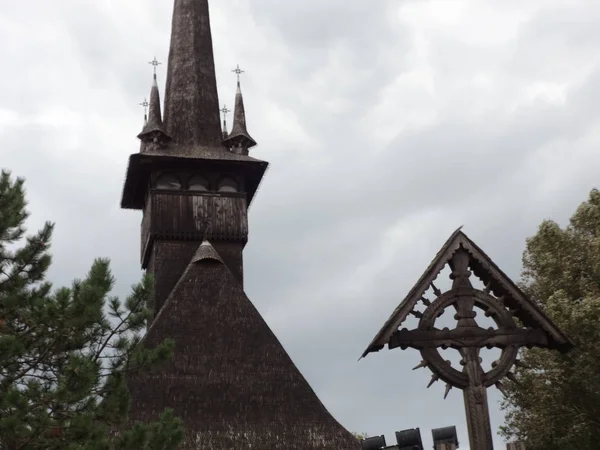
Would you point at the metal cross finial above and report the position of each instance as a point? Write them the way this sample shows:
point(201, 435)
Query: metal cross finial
point(225, 110)
point(155, 63)
point(238, 72)
point(145, 105)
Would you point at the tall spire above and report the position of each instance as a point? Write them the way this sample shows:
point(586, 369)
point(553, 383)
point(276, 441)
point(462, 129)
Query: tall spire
point(239, 140)
point(191, 101)
point(154, 125)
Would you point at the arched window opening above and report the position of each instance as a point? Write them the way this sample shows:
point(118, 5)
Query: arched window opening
point(228, 184)
point(198, 183)
point(168, 181)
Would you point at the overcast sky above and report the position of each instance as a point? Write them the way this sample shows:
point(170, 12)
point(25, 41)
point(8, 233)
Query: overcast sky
point(387, 124)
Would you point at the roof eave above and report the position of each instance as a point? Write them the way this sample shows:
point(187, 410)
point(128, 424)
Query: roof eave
point(560, 340)
point(235, 138)
point(139, 166)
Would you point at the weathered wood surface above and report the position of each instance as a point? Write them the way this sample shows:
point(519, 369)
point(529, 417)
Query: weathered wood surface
point(145, 235)
point(518, 323)
point(445, 446)
point(187, 216)
point(467, 337)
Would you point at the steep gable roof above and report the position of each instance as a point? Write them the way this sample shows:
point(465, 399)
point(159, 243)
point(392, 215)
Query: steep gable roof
point(230, 380)
point(484, 268)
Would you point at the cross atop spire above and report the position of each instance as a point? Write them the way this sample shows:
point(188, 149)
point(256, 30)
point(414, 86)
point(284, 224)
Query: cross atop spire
point(225, 110)
point(239, 140)
point(155, 63)
point(145, 105)
point(238, 72)
point(153, 125)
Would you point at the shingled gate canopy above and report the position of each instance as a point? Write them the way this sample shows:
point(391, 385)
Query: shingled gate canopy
point(519, 322)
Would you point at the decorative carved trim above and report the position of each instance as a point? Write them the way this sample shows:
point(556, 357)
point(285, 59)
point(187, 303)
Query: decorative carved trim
point(501, 300)
point(484, 268)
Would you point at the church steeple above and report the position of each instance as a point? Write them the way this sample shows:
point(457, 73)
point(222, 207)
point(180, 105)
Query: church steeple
point(191, 120)
point(194, 194)
point(153, 128)
point(239, 140)
point(191, 102)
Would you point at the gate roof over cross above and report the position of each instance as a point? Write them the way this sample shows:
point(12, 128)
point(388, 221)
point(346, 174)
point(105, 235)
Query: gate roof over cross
point(519, 322)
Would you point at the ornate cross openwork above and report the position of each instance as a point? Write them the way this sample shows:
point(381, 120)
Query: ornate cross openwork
point(145, 105)
point(224, 110)
point(518, 323)
point(238, 72)
point(155, 63)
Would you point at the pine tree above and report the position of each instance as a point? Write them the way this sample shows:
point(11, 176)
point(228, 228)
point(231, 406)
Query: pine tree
point(556, 402)
point(66, 354)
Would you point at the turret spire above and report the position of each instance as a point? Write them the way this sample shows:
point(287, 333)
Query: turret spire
point(225, 111)
point(191, 101)
point(154, 128)
point(239, 140)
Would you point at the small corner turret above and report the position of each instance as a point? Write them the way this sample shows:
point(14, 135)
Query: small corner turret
point(239, 140)
point(154, 130)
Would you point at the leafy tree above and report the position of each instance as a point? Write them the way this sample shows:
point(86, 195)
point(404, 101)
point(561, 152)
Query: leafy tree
point(556, 402)
point(65, 354)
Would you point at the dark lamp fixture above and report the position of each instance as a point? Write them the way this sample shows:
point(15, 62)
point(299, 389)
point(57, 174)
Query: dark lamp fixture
point(409, 439)
point(446, 435)
point(374, 443)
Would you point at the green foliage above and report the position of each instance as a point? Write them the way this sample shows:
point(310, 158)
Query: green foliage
point(66, 354)
point(360, 436)
point(556, 403)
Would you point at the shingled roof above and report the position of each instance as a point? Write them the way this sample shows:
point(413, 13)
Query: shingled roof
point(230, 380)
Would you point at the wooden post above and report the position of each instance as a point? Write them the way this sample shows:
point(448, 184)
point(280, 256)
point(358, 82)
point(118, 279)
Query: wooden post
point(445, 446)
point(476, 403)
point(478, 418)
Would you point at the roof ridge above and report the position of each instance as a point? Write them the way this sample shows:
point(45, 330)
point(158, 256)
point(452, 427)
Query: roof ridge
point(222, 342)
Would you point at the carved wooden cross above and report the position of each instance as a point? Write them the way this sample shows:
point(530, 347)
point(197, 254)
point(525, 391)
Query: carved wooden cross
point(519, 323)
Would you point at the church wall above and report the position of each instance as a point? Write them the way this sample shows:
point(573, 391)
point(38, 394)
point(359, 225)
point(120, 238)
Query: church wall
point(218, 217)
point(167, 263)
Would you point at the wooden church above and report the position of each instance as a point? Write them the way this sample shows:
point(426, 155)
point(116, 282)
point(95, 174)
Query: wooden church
point(230, 380)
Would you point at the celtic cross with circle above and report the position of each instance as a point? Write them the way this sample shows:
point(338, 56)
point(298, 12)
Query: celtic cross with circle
point(468, 338)
point(517, 322)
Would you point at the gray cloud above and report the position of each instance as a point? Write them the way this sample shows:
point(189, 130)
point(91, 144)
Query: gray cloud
point(387, 125)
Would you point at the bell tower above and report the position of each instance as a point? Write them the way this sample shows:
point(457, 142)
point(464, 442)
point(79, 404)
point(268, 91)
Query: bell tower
point(230, 380)
point(190, 182)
